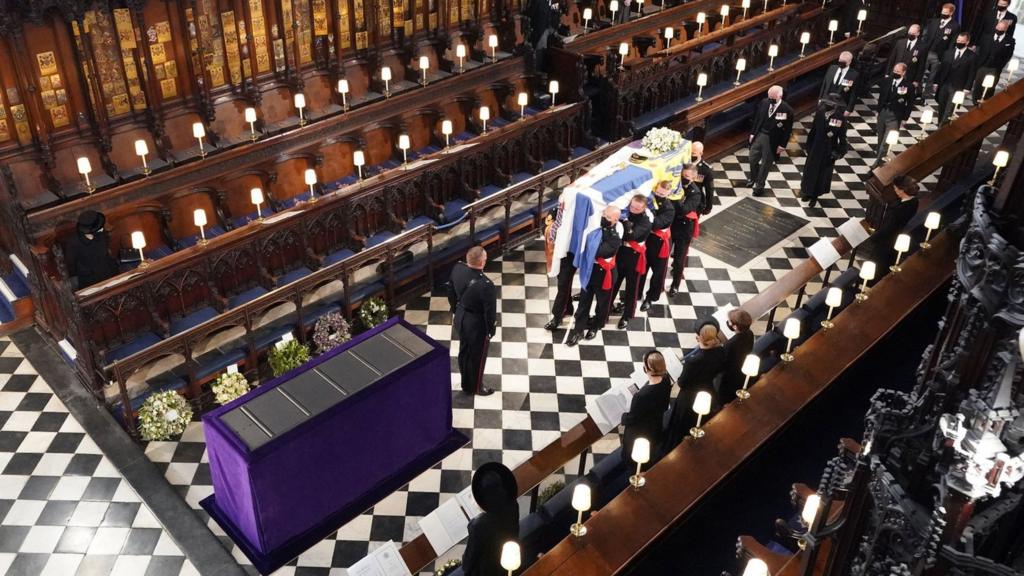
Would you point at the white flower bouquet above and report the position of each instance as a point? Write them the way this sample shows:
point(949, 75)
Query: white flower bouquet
point(658, 141)
point(227, 387)
point(164, 415)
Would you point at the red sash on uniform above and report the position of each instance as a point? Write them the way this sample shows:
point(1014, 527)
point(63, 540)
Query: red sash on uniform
point(608, 264)
point(641, 255)
point(696, 223)
point(666, 238)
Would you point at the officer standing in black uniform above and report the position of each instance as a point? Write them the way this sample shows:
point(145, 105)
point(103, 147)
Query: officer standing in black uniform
point(688, 203)
point(473, 299)
point(631, 261)
point(602, 278)
point(705, 176)
point(659, 242)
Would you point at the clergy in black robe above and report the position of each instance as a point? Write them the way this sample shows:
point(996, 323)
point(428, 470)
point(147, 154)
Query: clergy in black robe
point(700, 368)
point(473, 299)
point(87, 254)
point(826, 143)
point(631, 261)
point(647, 409)
point(495, 491)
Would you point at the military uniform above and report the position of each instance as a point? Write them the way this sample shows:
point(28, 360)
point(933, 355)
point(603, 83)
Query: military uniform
point(895, 100)
point(688, 203)
point(599, 286)
point(706, 181)
point(473, 299)
point(659, 246)
point(773, 125)
point(631, 263)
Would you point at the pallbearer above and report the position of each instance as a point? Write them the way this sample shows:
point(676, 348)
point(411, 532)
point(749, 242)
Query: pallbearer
point(659, 242)
point(562, 306)
point(705, 176)
point(688, 202)
point(631, 261)
point(601, 246)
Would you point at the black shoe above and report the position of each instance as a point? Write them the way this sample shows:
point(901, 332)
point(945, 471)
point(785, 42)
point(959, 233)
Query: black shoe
point(623, 323)
point(574, 339)
point(618, 307)
point(758, 192)
point(485, 391)
point(552, 324)
point(673, 291)
point(748, 184)
point(576, 297)
point(645, 306)
point(590, 335)
point(812, 202)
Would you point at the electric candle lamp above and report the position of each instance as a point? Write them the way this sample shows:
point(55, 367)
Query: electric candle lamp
point(613, 7)
point(791, 330)
point(810, 510)
point(640, 8)
point(198, 132)
point(891, 139)
point(987, 83)
point(641, 455)
point(931, 224)
point(741, 65)
point(701, 17)
point(359, 159)
point(670, 33)
point(510, 557)
point(958, 100)
point(485, 115)
point(138, 243)
point(862, 15)
point(310, 176)
point(833, 25)
point(256, 196)
point(403, 145)
point(587, 15)
point(553, 89)
point(755, 567)
point(927, 116)
point(460, 53)
point(84, 168)
point(833, 299)
point(492, 43)
point(300, 103)
point(750, 368)
point(805, 39)
point(1012, 67)
point(1000, 160)
point(623, 52)
point(746, 6)
point(199, 219)
point(724, 12)
point(250, 117)
point(867, 274)
point(580, 503)
point(343, 90)
point(385, 75)
point(702, 81)
point(424, 66)
point(765, 5)
point(773, 52)
point(446, 129)
point(522, 101)
point(901, 246)
point(702, 407)
point(141, 149)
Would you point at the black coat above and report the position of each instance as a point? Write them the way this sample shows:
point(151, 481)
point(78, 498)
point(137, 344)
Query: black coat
point(955, 73)
point(664, 213)
point(995, 54)
point(644, 419)
point(473, 298)
point(690, 200)
point(914, 58)
point(781, 122)
point(826, 143)
point(939, 38)
point(736, 351)
point(843, 91)
point(488, 532)
point(89, 259)
point(636, 227)
point(700, 368)
point(899, 99)
point(706, 181)
point(986, 24)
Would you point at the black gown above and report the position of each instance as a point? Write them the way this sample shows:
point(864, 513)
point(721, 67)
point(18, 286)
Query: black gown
point(644, 419)
point(700, 367)
point(826, 143)
point(89, 259)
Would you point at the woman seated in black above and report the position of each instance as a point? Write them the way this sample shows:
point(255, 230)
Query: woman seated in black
point(895, 218)
point(700, 368)
point(646, 410)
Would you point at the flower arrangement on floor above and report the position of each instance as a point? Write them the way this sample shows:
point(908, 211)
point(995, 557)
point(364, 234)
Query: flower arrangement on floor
point(287, 356)
point(373, 312)
point(164, 415)
point(229, 386)
point(448, 567)
point(658, 141)
point(331, 330)
point(548, 492)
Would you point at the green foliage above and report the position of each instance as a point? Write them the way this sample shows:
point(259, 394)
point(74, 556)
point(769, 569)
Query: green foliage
point(373, 312)
point(547, 493)
point(164, 415)
point(290, 355)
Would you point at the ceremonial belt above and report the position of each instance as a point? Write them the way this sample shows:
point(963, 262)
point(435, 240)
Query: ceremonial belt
point(608, 264)
point(666, 238)
point(641, 251)
point(696, 223)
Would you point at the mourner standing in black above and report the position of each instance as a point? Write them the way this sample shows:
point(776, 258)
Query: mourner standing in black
point(700, 367)
point(838, 83)
point(495, 490)
point(910, 51)
point(602, 278)
point(705, 176)
point(631, 260)
point(986, 23)
point(895, 99)
point(773, 125)
point(473, 300)
point(956, 71)
point(736, 350)
point(994, 52)
point(826, 143)
point(648, 406)
point(939, 35)
point(659, 242)
point(688, 203)
point(894, 220)
point(87, 253)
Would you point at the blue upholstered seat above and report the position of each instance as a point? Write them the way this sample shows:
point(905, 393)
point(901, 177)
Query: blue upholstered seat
point(551, 164)
point(162, 383)
point(157, 252)
point(266, 337)
point(497, 122)
point(418, 221)
point(462, 137)
point(210, 364)
point(292, 276)
point(247, 296)
point(188, 241)
point(192, 319)
point(520, 177)
point(489, 189)
point(337, 256)
point(363, 290)
point(265, 211)
point(17, 283)
point(317, 311)
point(453, 210)
point(141, 341)
point(580, 151)
point(379, 237)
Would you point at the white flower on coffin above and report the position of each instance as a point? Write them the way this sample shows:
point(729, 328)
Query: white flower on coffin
point(658, 141)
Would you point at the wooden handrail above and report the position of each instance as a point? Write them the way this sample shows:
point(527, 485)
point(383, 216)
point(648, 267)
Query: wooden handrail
point(724, 32)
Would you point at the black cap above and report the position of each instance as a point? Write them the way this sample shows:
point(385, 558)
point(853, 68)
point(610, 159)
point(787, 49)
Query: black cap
point(91, 222)
point(494, 486)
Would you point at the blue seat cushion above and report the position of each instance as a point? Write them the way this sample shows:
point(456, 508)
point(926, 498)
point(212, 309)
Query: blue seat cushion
point(580, 151)
point(551, 164)
point(192, 319)
point(379, 238)
point(489, 232)
point(209, 364)
point(364, 290)
point(518, 219)
point(162, 383)
point(140, 342)
point(188, 241)
point(418, 221)
point(292, 276)
point(311, 315)
point(265, 338)
point(498, 122)
point(247, 296)
point(489, 189)
point(157, 252)
point(16, 283)
point(337, 256)
point(453, 210)
point(431, 149)
point(520, 177)
point(462, 137)
point(290, 202)
point(265, 211)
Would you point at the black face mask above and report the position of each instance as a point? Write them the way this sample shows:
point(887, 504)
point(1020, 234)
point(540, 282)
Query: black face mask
point(685, 181)
point(606, 223)
point(898, 76)
point(843, 64)
point(912, 36)
point(961, 45)
point(945, 17)
point(1003, 8)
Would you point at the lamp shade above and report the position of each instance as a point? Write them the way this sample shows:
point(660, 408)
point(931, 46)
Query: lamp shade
point(931, 221)
point(745, 5)
point(773, 50)
point(138, 240)
point(256, 195)
point(805, 37)
point(741, 64)
point(403, 142)
point(310, 175)
point(751, 365)
point(641, 451)
point(581, 498)
point(862, 15)
point(198, 131)
point(588, 13)
point(492, 41)
point(460, 50)
point(902, 243)
point(725, 11)
point(670, 32)
point(553, 87)
point(702, 403)
point(84, 166)
point(424, 63)
point(300, 100)
point(446, 127)
point(522, 99)
point(358, 158)
point(833, 25)
point(385, 73)
point(867, 270)
point(1001, 159)
point(701, 17)
point(834, 297)
point(892, 138)
point(613, 6)
point(702, 79)
point(988, 81)
point(810, 510)
point(485, 113)
point(958, 97)
point(343, 86)
point(510, 556)
point(250, 115)
point(141, 148)
point(1013, 65)
point(791, 329)
point(199, 217)
point(623, 49)
point(927, 116)
point(755, 567)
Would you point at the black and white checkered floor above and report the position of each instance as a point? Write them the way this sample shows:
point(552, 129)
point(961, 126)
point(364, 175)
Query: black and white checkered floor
point(531, 408)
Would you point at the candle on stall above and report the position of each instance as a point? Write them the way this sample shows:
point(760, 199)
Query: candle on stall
point(84, 168)
point(987, 83)
point(587, 15)
point(492, 42)
point(198, 132)
point(311, 180)
point(931, 224)
point(199, 219)
point(1000, 160)
point(485, 115)
point(670, 33)
point(460, 53)
point(300, 104)
point(138, 243)
point(805, 38)
point(862, 15)
point(553, 89)
point(791, 331)
point(833, 299)
point(446, 129)
point(256, 196)
point(741, 65)
point(359, 159)
point(623, 52)
point(773, 52)
point(613, 7)
point(250, 118)
point(927, 115)
point(701, 17)
point(724, 12)
point(702, 81)
point(833, 25)
point(403, 145)
point(522, 101)
point(958, 100)
point(867, 274)
point(141, 150)
point(745, 6)
point(424, 66)
point(385, 75)
point(343, 90)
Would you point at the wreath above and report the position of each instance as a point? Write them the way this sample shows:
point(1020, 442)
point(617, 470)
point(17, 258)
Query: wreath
point(164, 415)
point(287, 356)
point(227, 387)
point(448, 567)
point(373, 312)
point(330, 331)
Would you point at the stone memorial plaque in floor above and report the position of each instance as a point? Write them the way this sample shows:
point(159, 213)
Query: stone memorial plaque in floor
point(744, 231)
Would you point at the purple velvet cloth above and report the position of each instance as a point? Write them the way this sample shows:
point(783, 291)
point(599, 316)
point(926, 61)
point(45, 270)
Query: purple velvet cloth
point(290, 487)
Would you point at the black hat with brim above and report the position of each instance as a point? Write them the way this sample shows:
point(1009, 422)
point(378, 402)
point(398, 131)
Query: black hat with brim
point(494, 486)
point(91, 222)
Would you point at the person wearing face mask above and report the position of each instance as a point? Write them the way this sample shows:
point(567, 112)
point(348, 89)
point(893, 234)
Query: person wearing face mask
point(955, 73)
point(689, 203)
point(939, 35)
point(994, 52)
point(773, 125)
point(705, 176)
point(895, 100)
point(601, 246)
point(839, 82)
point(631, 260)
point(562, 305)
point(659, 242)
point(87, 253)
point(648, 406)
point(987, 22)
point(826, 143)
point(911, 52)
